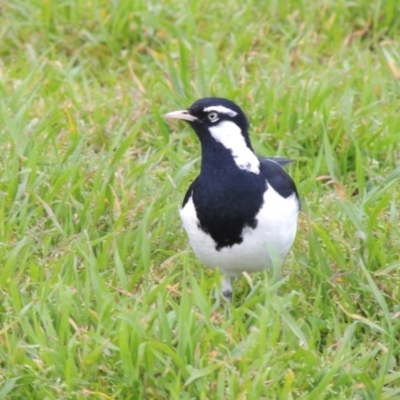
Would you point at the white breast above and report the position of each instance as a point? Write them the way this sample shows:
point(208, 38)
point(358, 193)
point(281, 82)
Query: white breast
point(276, 228)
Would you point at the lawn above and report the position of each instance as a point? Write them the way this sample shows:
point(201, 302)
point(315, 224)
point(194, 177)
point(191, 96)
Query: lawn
point(100, 294)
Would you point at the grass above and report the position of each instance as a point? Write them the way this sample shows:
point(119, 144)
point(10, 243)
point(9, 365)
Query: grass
point(101, 296)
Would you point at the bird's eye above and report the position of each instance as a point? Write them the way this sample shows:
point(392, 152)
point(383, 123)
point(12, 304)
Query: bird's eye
point(212, 116)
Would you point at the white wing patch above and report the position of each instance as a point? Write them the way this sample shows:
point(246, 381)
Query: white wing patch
point(222, 110)
point(230, 135)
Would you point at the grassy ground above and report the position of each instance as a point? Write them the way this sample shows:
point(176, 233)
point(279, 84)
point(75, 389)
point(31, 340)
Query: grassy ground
point(101, 296)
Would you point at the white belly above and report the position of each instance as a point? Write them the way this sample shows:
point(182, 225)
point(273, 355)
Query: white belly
point(276, 229)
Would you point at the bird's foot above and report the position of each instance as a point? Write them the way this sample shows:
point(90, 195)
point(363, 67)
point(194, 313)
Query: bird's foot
point(227, 289)
point(228, 294)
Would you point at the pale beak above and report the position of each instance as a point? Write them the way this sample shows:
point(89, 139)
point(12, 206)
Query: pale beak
point(181, 114)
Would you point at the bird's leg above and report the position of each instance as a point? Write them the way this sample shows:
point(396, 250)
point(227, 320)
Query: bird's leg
point(227, 288)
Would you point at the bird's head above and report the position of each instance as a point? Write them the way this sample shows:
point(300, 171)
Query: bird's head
point(219, 118)
point(217, 122)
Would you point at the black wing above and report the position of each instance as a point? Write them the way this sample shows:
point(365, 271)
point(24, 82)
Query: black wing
point(277, 177)
point(188, 193)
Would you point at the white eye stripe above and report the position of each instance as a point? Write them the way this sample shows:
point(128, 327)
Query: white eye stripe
point(222, 110)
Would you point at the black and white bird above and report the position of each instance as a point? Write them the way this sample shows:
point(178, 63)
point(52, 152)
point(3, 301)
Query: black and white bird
point(240, 206)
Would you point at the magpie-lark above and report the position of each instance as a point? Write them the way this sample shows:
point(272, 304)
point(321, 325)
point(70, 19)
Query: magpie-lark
point(241, 205)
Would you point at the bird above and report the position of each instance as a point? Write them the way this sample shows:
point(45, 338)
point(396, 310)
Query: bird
point(241, 207)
